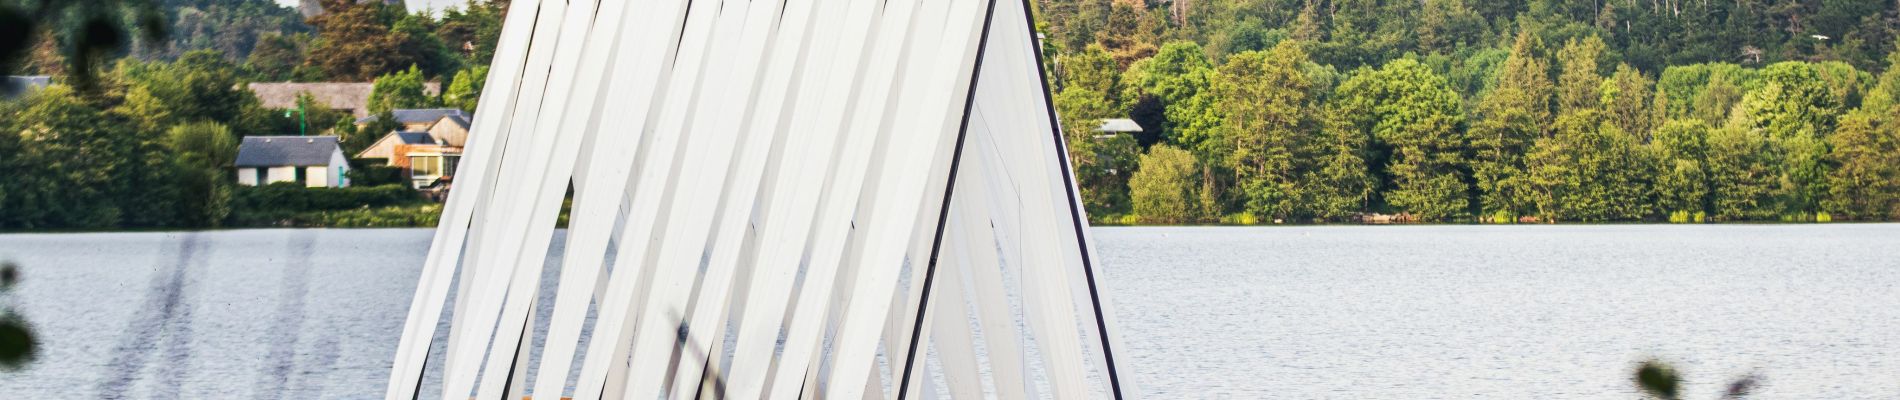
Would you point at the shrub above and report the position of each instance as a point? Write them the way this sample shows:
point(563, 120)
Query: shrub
point(376, 175)
point(278, 203)
point(1163, 189)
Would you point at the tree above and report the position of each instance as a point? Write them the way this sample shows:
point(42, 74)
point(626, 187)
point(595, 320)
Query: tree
point(75, 166)
point(1507, 120)
point(474, 28)
point(1865, 184)
point(1340, 185)
point(1793, 100)
point(1742, 175)
point(356, 41)
point(279, 57)
point(231, 28)
point(1580, 81)
point(1081, 110)
point(1170, 79)
point(1163, 189)
point(1589, 170)
point(465, 91)
point(1090, 69)
point(1629, 102)
point(1124, 36)
point(202, 152)
point(1682, 178)
point(1796, 105)
point(1263, 98)
point(399, 90)
point(200, 86)
point(1416, 121)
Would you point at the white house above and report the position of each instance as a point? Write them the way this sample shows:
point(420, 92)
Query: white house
point(314, 161)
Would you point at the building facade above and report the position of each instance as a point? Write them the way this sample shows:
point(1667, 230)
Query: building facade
point(312, 161)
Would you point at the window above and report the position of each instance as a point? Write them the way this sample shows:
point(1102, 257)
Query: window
point(430, 165)
point(448, 164)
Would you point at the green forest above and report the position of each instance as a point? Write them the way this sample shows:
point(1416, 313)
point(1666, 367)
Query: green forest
point(1260, 111)
point(145, 137)
point(1255, 111)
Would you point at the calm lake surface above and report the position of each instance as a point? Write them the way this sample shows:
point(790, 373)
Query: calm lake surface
point(1398, 312)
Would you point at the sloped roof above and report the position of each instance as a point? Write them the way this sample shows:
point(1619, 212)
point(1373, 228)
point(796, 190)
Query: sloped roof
point(419, 115)
point(278, 151)
point(458, 119)
point(413, 137)
point(1119, 125)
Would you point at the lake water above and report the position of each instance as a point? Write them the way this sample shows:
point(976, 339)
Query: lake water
point(1397, 312)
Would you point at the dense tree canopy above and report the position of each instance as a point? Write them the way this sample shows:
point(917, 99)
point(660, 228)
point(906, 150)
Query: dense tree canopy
point(1253, 110)
point(1495, 110)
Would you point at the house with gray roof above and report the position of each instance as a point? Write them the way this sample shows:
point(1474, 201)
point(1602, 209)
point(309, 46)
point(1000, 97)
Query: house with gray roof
point(312, 161)
point(421, 118)
point(426, 148)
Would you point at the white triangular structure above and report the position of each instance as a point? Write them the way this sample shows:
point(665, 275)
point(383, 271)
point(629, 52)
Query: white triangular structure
point(771, 199)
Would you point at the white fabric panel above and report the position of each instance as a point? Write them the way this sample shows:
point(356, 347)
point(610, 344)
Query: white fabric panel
point(763, 91)
point(707, 156)
point(792, 190)
point(565, 119)
point(759, 145)
point(478, 304)
point(871, 106)
point(640, 53)
point(924, 246)
point(513, 213)
point(445, 249)
point(1011, 102)
point(901, 181)
point(658, 155)
point(950, 330)
point(973, 213)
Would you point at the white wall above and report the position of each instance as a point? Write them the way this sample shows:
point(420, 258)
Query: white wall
point(247, 176)
point(316, 177)
point(280, 174)
point(338, 170)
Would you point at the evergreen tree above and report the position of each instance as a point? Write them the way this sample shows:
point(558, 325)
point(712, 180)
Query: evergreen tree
point(1578, 86)
point(1507, 120)
point(1589, 170)
point(1865, 183)
point(1090, 69)
point(1629, 102)
point(1682, 177)
point(1742, 175)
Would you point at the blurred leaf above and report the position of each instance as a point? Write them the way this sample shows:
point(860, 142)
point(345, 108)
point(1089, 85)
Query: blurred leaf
point(17, 344)
point(9, 275)
point(1659, 379)
point(1741, 387)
